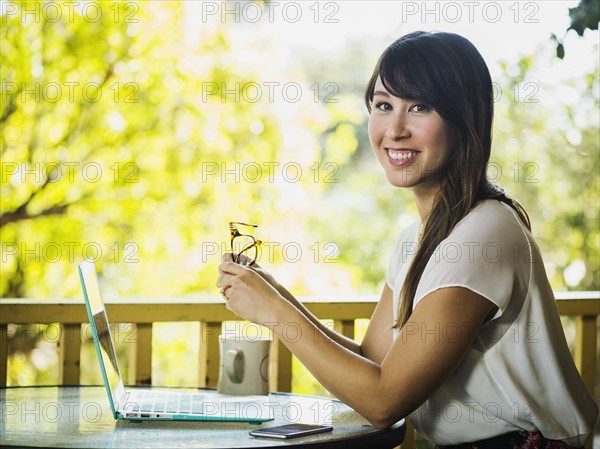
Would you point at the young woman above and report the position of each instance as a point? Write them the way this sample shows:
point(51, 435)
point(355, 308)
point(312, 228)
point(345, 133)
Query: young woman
point(466, 338)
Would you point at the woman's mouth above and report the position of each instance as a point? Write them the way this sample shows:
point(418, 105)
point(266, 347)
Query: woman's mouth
point(399, 157)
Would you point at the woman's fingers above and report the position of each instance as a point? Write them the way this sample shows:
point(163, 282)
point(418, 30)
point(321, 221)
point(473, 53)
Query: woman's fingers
point(246, 292)
point(241, 259)
point(226, 277)
point(231, 273)
point(221, 281)
point(231, 268)
point(246, 261)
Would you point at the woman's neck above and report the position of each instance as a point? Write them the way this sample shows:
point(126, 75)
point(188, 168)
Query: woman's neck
point(424, 199)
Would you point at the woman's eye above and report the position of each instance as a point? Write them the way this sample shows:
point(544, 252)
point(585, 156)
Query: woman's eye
point(383, 106)
point(420, 107)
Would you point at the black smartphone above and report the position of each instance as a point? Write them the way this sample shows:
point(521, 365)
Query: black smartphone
point(290, 431)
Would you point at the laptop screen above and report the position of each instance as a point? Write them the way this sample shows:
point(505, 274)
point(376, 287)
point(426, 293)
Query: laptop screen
point(107, 355)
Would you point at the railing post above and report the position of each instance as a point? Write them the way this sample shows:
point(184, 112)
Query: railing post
point(140, 355)
point(345, 327)
point(69, 350)
point(281, 367)
point(585, 349)
point(3, 354)
point(209, 354)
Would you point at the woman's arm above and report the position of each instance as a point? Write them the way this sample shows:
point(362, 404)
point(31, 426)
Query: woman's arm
point(378, 338)
point(340, 339)
point(428, 349)
point(417, 363)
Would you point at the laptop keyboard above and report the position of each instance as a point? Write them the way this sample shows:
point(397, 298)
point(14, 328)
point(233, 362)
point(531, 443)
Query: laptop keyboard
point(150, 401)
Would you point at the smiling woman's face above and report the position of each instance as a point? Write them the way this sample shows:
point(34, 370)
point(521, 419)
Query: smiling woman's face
point(410, 139)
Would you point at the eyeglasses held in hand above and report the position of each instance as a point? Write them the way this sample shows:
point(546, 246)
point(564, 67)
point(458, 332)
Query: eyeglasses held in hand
point(243, 244)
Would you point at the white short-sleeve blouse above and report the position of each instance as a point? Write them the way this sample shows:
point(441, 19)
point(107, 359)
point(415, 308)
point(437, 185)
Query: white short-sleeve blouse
point(519, 373)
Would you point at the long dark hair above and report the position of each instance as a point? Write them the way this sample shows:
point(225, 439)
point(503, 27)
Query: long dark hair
point(445, 71)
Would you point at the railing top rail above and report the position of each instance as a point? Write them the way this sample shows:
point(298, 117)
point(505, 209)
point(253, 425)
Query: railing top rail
point(559, 295)
point(212, 309)
point(187, 300)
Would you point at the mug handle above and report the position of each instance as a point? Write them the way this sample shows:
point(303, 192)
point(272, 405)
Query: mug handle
point(234, 365)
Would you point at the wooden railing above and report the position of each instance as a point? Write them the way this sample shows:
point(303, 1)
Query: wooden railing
point(211, 313)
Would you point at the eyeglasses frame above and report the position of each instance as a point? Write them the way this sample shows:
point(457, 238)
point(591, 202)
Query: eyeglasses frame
point(234, 232)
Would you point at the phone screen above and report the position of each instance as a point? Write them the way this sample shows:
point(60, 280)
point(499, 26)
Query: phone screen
point(290, 431)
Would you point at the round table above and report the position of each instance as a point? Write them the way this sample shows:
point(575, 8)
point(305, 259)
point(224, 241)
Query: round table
point(80, 416)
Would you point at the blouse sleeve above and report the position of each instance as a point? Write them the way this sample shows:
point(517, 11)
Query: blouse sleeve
point(402, 253)
point(393, 266)
point(487, 252)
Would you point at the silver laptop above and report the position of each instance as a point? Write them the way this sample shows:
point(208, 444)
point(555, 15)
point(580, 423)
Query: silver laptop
point(158, 404)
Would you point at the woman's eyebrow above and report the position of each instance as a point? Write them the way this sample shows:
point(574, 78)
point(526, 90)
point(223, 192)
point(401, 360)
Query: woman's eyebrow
point(381, 92)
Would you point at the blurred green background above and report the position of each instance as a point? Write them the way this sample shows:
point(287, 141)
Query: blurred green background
point(132, 132)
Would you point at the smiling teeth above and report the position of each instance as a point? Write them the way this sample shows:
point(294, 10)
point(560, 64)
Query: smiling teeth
point(401, 156)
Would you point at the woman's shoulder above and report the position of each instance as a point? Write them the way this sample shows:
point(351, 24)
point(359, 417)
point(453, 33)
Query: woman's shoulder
point(491, 220)
point(491, 208)
point(492, 212)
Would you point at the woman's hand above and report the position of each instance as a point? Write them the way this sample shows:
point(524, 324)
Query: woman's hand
point(245, 261)
point(247, 293)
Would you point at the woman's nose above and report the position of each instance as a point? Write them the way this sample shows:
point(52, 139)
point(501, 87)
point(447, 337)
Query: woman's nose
point(397, 128)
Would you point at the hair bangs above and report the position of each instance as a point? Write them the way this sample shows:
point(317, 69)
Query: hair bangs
point(404, 74)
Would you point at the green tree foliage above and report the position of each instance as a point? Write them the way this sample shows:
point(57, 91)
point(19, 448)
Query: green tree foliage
point(104, 130)
point(546, 155)
point(128, 141)
point(585, 16)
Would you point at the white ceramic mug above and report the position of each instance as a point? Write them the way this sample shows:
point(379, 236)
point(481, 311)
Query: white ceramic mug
point(244, 368)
